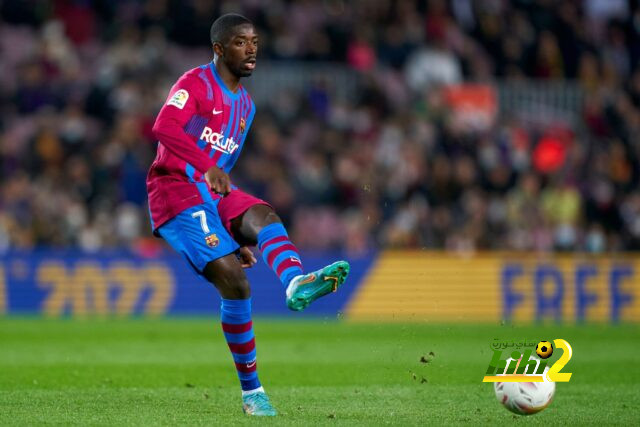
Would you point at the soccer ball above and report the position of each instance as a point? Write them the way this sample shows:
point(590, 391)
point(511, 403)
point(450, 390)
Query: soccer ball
point(544, 349)
point(525, 398)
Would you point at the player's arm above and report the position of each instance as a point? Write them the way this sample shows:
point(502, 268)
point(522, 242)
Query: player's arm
point(181, 105)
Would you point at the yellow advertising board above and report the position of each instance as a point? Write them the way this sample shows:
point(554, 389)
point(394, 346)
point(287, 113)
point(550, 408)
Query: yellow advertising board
point(436, 286)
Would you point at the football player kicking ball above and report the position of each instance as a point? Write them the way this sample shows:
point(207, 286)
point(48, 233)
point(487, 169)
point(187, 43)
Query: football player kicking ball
point(194, 206)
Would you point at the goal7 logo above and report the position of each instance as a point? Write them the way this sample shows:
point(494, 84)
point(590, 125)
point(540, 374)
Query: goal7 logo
point(521, 367)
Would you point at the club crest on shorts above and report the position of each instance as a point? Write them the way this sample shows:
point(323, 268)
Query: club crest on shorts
point(212, 240)
point(243, 124)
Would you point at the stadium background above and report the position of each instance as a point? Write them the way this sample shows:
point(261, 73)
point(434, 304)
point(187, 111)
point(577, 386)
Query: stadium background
point(455, 130)
point(476, 161)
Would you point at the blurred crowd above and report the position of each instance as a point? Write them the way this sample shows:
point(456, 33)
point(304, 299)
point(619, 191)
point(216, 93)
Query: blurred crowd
point(81, 82)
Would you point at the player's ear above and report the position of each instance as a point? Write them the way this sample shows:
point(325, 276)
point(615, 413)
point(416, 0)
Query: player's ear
point(218, 49)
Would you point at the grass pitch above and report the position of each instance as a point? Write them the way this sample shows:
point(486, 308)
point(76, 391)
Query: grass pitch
point(179, 371)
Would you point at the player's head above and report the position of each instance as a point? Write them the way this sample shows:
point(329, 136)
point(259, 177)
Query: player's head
point(235, 43)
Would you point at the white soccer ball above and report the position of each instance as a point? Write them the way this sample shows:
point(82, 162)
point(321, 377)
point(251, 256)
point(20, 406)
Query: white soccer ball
point(525, 398)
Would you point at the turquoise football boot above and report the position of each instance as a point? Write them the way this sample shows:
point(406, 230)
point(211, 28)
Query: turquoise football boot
point(305, 289)
point(258, 404)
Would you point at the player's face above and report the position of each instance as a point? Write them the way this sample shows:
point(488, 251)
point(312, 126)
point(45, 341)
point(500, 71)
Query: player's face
point(240, 52)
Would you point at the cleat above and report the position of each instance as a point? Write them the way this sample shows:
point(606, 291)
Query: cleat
point(305, 289)
point(258, 404)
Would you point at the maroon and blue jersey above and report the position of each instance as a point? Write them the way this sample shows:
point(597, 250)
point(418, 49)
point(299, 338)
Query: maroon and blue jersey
point(202, 124)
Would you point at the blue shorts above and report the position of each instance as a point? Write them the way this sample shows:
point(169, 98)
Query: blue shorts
point(199, 235)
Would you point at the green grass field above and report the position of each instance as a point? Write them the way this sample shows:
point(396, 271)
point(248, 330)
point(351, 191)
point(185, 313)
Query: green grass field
point(179, 371)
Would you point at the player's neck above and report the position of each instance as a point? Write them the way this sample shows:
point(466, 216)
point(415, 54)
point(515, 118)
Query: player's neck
point(230, 80)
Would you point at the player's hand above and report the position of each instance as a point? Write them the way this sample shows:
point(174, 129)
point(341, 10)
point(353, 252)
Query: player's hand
point(246, 257)
point(218, 180)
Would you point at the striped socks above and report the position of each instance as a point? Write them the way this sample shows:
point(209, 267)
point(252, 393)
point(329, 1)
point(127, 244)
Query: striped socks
point(238, 331)
point(279, 253)
point(283, 258)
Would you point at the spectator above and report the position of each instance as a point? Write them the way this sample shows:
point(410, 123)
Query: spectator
point(389, 164)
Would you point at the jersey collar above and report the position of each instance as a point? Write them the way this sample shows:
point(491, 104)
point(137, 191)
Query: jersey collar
point(222, 84)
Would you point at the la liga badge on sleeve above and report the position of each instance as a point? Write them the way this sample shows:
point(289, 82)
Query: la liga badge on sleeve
point(179, 99)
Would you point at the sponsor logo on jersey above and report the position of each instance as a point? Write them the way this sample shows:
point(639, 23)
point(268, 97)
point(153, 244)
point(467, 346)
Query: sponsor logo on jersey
point(218, 142)
point(216, 112)
point(179, 99)
point(212, 240)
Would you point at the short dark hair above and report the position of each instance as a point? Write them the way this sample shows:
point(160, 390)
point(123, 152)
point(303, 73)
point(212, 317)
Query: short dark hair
point(221, 28)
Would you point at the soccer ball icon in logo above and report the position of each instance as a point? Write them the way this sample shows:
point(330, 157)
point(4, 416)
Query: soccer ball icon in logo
point(544, 349)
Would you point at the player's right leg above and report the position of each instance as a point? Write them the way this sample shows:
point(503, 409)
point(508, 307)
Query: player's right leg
point(198, 234)
point(229, 278)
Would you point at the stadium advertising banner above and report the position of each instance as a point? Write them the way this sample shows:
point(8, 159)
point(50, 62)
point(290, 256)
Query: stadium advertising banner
point(402, 285)
point(120, 283)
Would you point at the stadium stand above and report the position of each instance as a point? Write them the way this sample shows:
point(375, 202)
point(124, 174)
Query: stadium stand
point(459, 125)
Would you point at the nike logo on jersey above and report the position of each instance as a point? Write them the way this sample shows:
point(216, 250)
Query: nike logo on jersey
point(217, 141)
point(215, 112)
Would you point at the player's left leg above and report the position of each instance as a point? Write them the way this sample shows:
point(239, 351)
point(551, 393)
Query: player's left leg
point(260, 225)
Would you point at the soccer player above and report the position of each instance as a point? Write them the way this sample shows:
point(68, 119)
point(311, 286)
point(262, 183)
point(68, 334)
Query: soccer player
point(194, 206)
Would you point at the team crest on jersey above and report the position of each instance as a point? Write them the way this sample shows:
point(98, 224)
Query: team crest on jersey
point(243, 124)
point(212, 240)
point(179, 99)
